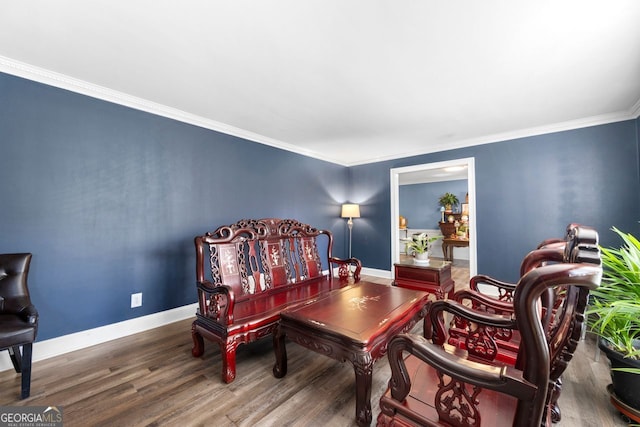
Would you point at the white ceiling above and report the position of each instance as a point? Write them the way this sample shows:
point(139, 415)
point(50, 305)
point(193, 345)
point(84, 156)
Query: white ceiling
point(350, 82)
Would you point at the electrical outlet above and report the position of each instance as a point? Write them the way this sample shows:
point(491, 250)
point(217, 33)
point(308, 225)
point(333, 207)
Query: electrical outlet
point(136, 300)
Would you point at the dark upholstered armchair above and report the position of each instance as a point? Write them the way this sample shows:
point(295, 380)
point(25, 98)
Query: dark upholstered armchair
point(18, 317)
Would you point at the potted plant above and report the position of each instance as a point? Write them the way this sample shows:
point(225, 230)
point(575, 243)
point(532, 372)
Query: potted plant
point(614, 316)
point(448, 200)
point(419, 245)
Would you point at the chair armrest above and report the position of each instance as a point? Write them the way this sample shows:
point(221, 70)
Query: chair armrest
point(480, 301)
point(434, 322)
point(29, 314)
point(223, 311)
point(553, 242)
point(542, 256)
point(22, 307)
point(505, 289)
point(344, 267)
point(503, 378)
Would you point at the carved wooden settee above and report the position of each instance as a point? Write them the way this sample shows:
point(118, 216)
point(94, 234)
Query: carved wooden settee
point(248, 272)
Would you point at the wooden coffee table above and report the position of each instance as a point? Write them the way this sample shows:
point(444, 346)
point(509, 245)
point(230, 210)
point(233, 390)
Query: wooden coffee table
point(355, 324)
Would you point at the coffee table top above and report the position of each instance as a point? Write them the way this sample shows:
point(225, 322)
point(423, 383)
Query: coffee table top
point(359, 314)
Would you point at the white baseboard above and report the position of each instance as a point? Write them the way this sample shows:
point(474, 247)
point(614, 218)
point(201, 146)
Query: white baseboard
point(60, 345)
point(385, 274)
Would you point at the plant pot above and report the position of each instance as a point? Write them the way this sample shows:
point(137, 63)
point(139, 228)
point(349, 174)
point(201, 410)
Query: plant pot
point(626, 385)
point(421, 258)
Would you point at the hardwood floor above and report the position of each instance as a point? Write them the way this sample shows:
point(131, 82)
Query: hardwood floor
point(151, 379)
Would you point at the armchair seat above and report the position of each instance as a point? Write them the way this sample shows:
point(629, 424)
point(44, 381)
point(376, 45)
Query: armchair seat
point(418, 407)
point(14, 331)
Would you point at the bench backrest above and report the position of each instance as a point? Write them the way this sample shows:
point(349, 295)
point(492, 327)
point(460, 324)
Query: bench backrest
point(253, 256)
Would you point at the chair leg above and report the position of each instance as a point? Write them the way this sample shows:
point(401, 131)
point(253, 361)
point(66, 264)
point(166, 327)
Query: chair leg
point(26, 370)
point(14, 353)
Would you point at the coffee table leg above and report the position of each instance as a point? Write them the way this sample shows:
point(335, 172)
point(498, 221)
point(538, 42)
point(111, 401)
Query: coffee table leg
point(363, 367)
point(280, 350)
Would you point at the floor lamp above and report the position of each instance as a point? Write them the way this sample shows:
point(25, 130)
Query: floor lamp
point(350, 211)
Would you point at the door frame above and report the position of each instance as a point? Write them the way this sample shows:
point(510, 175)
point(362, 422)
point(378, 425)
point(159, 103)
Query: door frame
point(469, 163)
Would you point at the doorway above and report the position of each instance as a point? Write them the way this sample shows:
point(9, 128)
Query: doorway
point(432, 172)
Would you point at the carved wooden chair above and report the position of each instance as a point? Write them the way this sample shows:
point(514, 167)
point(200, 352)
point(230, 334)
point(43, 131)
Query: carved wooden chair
point(18, 317)
point(503, 346)
point(501, 302)
point(549, 250)
point(433, 383)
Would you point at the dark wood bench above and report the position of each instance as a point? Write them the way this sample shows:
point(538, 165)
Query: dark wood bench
point(255, 269)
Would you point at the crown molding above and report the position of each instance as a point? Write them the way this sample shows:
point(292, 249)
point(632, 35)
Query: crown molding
point(62, 81)
point(51, 78)
point(620, 116)
point(635, 110)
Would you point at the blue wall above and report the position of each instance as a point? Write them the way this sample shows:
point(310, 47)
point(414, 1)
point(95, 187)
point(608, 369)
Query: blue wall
point(526, 190)
point(108, 199)
point(418, 203)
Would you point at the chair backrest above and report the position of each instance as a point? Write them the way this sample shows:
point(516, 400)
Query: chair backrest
point(14, 270)
point(253, 256)
point(559, 250)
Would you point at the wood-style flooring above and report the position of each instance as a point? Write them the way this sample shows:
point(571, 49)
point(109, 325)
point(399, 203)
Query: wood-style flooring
point(151, 379)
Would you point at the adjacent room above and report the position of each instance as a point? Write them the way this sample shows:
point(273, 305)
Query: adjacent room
point(163, 164)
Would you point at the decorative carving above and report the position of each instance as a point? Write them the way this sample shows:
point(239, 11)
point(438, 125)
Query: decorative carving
point(455, 404)
point(214, 305)
point(314, 345)
point(362, 363)
point(480, 342)
point(360, 303)
point(275, 256)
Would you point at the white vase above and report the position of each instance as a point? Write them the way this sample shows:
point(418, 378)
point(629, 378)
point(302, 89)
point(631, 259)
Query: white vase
point(421, 257)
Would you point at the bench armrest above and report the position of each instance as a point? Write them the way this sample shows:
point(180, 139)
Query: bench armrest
point(216, 302)
point(344, 267)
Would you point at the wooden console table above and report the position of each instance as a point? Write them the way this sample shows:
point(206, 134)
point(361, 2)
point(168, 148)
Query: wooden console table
point(356, 324)
point(449, 244)
point(434, 277)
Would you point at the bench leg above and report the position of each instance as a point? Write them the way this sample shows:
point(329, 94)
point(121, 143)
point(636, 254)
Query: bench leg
point(198, 342)
point(228, 361)
point(280, 350)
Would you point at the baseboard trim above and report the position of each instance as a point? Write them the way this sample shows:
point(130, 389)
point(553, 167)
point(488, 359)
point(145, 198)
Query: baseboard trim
point(60, 345)
point(67, 343)
point(384, 274)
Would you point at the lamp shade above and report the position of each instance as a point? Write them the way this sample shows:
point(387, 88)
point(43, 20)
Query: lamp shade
point(350, 210)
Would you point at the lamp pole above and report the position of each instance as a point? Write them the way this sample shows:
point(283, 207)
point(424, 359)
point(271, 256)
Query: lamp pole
point(350, 224)
point(350, 210)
